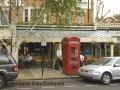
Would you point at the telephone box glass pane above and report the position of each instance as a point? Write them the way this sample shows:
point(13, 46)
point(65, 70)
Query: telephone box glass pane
point(74, 56)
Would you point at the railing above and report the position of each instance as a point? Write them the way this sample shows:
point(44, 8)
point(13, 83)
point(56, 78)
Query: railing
point(108, 24)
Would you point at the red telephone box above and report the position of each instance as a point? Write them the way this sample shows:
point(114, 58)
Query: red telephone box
point(71, 55)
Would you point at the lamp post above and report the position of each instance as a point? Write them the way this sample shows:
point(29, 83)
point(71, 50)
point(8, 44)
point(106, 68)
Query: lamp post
point(10, 13)
point(88, 12)
point(10, 19)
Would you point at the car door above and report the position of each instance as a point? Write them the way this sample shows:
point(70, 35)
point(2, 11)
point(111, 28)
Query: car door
point(116, 69)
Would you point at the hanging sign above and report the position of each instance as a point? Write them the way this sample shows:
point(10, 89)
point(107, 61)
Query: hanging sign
point(43, 43)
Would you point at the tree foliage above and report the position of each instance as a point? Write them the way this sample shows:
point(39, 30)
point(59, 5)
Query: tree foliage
point(60, 6)
point(57, 11)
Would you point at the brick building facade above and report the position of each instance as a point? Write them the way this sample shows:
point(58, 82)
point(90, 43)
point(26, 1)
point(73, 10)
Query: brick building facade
point(26, 7)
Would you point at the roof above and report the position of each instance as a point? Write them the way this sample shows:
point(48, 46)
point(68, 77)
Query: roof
point(110, 20)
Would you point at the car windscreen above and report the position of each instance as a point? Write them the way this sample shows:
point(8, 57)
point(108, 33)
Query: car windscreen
point(103, 61)
point(4, 60)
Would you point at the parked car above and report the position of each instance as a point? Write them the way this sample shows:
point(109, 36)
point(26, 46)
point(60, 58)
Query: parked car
point(8, 69)
point(104, 69)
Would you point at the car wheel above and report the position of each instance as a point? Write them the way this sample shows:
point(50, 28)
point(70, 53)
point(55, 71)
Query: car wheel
point(2, 81)
point(106, 78)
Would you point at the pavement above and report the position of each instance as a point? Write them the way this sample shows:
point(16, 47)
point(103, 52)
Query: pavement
point(36, 73)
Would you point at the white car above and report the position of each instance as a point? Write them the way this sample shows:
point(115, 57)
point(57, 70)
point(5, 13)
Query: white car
point(104, 69)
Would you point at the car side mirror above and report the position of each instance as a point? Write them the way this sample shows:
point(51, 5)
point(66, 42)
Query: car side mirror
point(117, 65)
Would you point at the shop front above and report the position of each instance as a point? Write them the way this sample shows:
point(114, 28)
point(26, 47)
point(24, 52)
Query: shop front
point(93, 44)
point(38, 52)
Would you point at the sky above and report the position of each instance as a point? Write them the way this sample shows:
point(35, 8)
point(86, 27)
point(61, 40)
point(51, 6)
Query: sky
point(112, 5)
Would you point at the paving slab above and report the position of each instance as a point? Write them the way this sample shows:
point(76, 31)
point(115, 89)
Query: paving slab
point(36, 73)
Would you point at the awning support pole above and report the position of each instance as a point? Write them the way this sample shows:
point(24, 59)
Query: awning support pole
point(53, 56)
point(111, 50)
point(105, 50)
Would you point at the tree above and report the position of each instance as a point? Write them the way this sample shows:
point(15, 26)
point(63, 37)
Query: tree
point(100, 15)
point(60, 10)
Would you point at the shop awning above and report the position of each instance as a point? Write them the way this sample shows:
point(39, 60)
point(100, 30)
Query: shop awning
point(58, 35)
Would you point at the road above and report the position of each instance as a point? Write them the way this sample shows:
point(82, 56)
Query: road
point(60, 84)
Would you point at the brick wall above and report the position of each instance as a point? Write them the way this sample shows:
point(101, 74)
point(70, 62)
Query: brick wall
point(20, 17)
